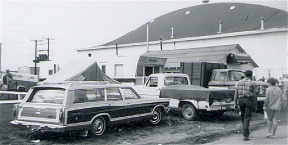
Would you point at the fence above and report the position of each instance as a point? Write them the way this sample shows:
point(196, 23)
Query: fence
point(11, 96)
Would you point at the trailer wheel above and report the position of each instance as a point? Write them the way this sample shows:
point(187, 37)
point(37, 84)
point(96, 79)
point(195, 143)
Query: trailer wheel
point(189, 112)
point(98, 127)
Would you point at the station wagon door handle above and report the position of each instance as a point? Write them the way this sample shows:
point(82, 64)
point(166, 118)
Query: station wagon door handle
point(128, 104)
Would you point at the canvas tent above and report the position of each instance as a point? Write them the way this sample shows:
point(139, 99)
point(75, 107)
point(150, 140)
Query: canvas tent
point(80, 70)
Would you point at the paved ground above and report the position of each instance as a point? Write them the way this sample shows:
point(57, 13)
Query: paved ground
point(258, 136)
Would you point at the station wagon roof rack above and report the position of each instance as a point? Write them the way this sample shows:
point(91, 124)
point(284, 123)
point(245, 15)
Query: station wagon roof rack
point(76, 83)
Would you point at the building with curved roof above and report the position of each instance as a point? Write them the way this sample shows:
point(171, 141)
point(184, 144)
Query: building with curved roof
point(203, 20)
point(259, 32)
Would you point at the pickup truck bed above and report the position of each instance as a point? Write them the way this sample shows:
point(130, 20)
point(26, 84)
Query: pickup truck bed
point(197, 93)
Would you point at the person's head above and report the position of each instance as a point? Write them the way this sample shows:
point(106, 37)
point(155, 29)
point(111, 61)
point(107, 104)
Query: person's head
point(7, 70)
point(248, 74)
point(272, 81)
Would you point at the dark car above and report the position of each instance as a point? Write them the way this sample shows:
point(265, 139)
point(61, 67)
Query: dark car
point(80, 107)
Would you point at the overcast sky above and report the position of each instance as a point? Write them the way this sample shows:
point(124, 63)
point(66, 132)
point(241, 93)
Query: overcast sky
point(78, 24)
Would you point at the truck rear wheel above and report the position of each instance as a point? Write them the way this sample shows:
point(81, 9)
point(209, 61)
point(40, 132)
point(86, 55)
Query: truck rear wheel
point(189, 112)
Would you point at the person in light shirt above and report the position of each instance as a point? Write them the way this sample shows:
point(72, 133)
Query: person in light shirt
point(273, 105)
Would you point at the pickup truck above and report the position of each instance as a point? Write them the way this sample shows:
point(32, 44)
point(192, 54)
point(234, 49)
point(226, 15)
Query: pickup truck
point(218, 76)
point(227, 78)
point(190, 99)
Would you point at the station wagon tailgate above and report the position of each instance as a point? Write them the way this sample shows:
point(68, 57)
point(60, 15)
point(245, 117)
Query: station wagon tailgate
point(32, 114)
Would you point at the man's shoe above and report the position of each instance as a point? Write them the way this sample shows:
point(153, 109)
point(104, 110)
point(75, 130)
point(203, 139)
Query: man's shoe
point(268, 135)
point(246, 139)
point(273, 137)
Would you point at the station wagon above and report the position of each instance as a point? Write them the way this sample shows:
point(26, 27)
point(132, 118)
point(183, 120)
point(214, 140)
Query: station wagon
point(88, 107)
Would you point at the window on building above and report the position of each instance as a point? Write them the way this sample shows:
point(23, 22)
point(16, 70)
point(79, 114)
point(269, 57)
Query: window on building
point(118, 71)
point(156, 70)
point(103, 68)
point(151, 70)
point(50, 71)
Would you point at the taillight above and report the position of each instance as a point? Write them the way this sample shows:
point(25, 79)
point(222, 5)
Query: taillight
point(15, 108)
point(61, 114)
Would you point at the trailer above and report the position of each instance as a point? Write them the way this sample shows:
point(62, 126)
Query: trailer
point(21, 82)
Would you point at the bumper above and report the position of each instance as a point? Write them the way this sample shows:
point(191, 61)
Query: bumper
point(216, 106)
point(225, 107)
point(260, 99)
point(40, 127)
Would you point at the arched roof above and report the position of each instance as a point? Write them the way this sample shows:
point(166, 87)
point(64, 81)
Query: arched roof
point(203, 20)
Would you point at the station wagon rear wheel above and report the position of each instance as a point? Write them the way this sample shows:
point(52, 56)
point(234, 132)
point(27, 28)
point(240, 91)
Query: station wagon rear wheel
point(156, 117)
point(189, 112)
point(98, 127)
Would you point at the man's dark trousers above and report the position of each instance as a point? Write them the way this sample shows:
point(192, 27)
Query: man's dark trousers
point(246, 106)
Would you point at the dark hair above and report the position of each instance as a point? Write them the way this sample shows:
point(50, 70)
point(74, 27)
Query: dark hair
point(248, 73)
point(272, 81)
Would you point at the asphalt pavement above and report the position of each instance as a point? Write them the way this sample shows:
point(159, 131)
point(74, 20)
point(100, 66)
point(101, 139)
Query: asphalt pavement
point(258, 137)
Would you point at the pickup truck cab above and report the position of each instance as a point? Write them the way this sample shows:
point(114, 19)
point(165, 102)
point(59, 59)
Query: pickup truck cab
point(224, 78)
point(228, 78)
point(190, 99)
point(156, 82)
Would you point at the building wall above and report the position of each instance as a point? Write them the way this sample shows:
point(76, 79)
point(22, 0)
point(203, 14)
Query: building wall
point(268, 48)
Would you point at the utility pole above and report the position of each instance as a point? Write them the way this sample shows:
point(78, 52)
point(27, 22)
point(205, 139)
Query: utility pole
point(48, 50)
point(35, 57)
point(36, 60)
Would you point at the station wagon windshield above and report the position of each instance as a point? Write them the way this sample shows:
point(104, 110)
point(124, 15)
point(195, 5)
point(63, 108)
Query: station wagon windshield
point(55, 96)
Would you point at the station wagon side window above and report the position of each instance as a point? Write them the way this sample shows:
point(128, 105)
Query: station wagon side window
point(113, 94)
point(95, 95)
point(152, 82)
point(80, 96)
point(129, 94)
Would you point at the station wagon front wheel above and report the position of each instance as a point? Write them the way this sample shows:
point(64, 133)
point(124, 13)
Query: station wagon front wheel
point(156, 117)
point(98, 126)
